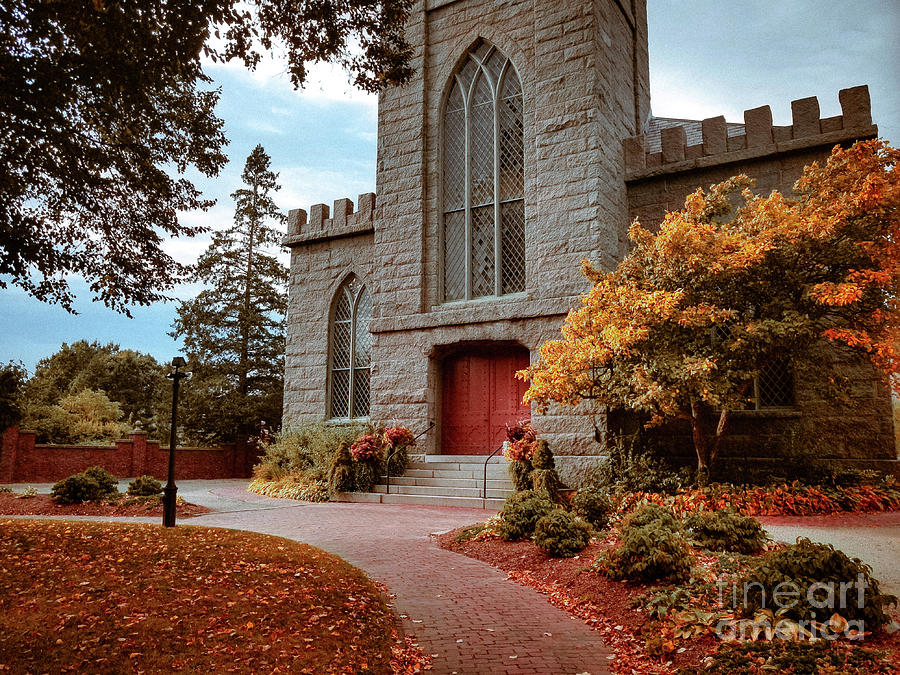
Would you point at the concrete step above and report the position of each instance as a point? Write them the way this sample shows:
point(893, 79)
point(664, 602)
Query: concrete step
point(425, 500)
point(443, 491)
point(497, 483)
point(496, 472)
point(459, 459)
point(458, 466)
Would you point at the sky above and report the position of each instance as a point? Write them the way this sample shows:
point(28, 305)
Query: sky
point(707, 58)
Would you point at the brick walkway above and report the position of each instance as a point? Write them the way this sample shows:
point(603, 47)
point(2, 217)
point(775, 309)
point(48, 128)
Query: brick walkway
point(462, 610)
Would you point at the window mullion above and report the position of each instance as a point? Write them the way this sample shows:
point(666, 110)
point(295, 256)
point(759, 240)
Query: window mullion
point(498, 243)
point(351, 385)
point(468, 198)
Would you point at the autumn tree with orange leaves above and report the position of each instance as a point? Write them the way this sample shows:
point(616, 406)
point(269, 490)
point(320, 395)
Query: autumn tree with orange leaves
point(686, 321)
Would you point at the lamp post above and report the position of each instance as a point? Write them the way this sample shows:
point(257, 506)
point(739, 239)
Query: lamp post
point(171, 490)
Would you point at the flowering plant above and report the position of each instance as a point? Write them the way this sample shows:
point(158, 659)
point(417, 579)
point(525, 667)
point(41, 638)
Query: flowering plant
point(398, 437)
point(521, 441)
point(365, 448)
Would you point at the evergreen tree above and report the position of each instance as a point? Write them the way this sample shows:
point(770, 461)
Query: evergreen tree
point(234, 330)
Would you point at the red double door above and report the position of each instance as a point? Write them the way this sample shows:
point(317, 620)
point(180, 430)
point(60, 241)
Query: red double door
point(480, 396)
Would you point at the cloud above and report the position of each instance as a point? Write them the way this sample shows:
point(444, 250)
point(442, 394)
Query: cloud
point(264, 127)
point(304, 186)
point(326, 83)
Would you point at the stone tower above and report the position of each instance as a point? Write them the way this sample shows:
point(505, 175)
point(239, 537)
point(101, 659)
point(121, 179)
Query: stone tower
point(522, 145)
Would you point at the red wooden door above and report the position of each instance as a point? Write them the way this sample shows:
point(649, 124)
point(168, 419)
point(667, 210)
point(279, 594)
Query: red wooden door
point(480, 396)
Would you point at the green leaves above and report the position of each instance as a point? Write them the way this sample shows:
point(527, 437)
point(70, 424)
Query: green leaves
point(102, 101)
point(233, 330)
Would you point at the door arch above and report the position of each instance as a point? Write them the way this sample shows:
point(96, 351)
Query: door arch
point(480, 395)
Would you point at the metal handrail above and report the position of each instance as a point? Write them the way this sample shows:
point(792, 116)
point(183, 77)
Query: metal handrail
point(484, 480)
point(387, 466)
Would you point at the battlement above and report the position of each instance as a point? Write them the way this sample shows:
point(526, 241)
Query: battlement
point(323, 223)
point(721, 142)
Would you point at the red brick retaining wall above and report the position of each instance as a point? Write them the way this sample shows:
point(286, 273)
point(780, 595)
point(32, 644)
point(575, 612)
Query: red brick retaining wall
point(22, 460)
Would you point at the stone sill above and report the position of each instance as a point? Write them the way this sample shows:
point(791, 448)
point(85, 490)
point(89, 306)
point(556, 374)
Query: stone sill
point(777, 413)
point(487, 310)
point(746, 154)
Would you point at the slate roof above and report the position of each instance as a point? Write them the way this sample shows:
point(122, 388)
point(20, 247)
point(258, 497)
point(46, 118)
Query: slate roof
point(692, 129)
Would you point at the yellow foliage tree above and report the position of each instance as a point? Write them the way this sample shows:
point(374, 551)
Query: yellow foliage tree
point(695, 311)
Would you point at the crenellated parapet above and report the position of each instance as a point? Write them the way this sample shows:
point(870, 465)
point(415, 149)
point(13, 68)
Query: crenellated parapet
point(722, 143)
point(322, 223)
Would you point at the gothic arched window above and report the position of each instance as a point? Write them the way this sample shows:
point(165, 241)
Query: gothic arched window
point(483, 179)
point(351, 350)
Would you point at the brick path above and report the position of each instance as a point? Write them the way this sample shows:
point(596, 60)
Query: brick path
point(462, 610)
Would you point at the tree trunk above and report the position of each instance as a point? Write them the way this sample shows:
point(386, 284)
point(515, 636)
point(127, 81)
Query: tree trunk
point(706, 446)
point(243, 366)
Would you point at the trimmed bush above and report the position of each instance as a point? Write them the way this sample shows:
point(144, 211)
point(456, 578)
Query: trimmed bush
point(546, 481)
point(340, 470)
point(646, 514)
point(543, 456)
point(653, 552)
point(365, 475)
point(144, 486)
point(593, 506)
point(396, 460)
point(520, 514)
point(561, 534)
point(520, 472)
point(726, 530)
point(823, 567)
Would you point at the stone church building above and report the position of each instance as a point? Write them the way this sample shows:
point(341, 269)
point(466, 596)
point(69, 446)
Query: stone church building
point(524, 143)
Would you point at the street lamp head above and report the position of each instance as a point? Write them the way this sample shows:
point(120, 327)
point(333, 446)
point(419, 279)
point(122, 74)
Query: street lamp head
point(179, 362)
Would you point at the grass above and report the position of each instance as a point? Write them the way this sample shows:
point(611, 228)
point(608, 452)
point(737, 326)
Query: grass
point(113, 598)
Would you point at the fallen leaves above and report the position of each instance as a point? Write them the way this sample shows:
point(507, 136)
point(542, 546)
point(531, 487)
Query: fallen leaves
point(110, 597)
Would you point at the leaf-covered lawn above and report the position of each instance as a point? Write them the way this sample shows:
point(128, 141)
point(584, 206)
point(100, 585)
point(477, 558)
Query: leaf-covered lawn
point(111, 598)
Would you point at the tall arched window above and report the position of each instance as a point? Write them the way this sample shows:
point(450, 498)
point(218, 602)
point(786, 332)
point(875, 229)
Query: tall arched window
point(351, 350)
point(483, 179)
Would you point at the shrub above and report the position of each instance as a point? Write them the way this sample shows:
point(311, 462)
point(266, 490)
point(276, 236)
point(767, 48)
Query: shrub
point(546, 481)
point(340, 470)
point(593, 506)
point(645, 514)
point(107, 483)
point(396, 460)
point(520, 514)
point(544, 477)
point(520, 471)
point(144, 486)
point(799, 658)
point(543, 456)
point(304, 447)
point(635, 465)
point(561, 534)
point(806, 564)
point(293, 486)
point(366, 448)
point(90, 485)
point(653, 552)
point(76, 490)
point(398, 440)
point(726, 530)
point(365, 475)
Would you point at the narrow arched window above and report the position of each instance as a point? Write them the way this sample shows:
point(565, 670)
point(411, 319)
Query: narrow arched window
point(351, 350)
point(483, 179)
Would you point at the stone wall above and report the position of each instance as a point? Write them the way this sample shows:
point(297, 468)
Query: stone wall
point(325, 249)
point(584, 74)
point(774, 156)
point(23, 461)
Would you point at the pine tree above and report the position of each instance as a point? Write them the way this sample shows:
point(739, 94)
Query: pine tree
point(234, 329)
